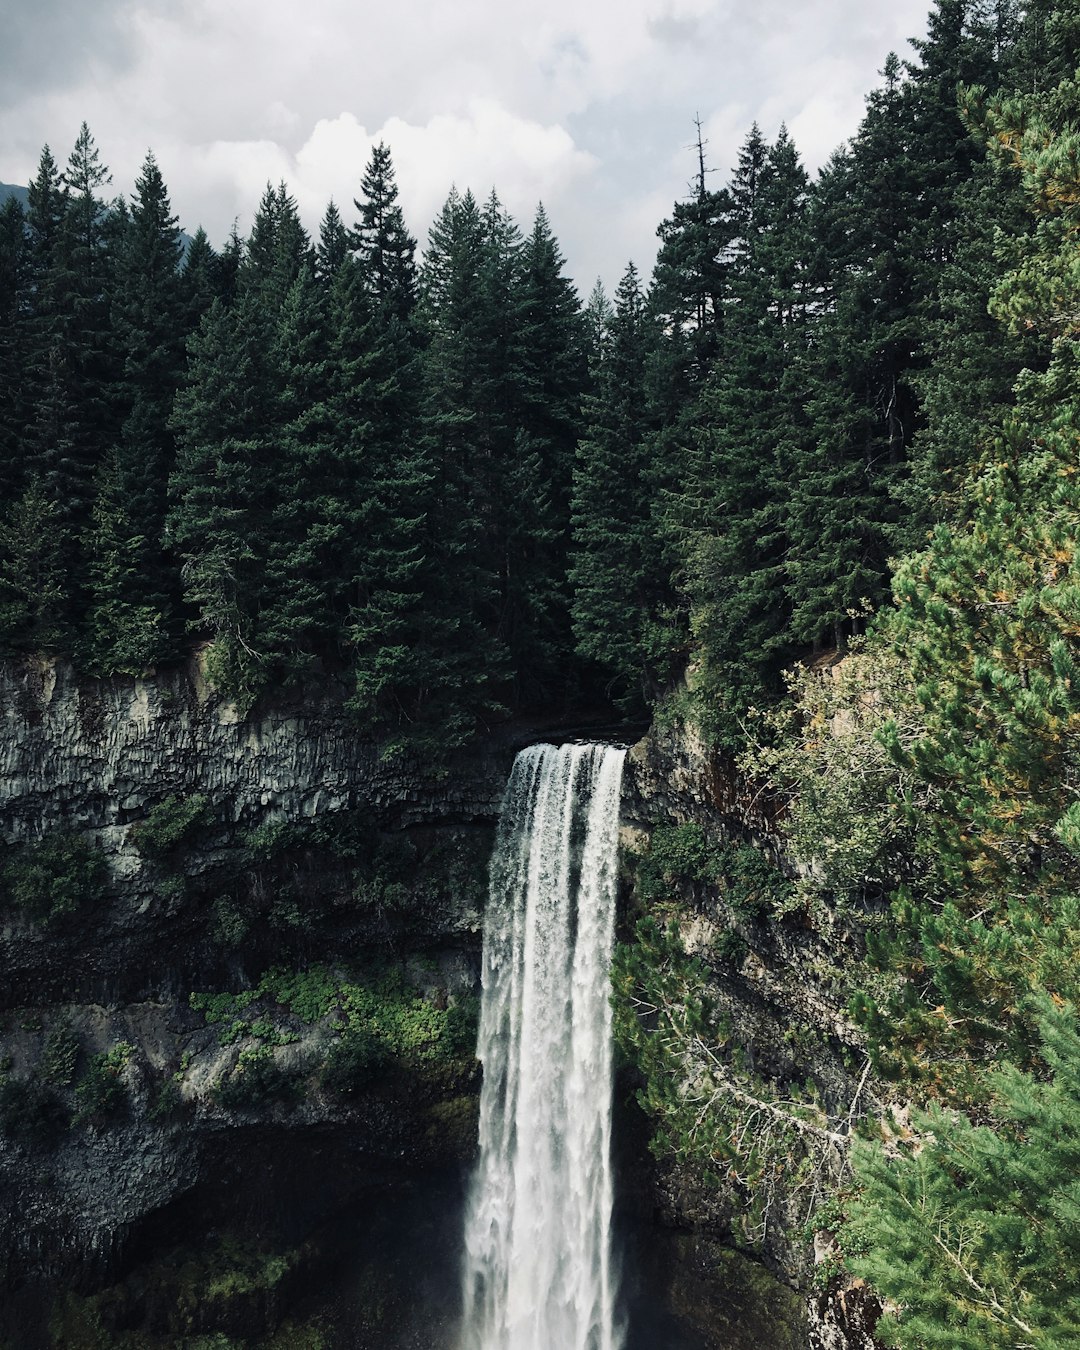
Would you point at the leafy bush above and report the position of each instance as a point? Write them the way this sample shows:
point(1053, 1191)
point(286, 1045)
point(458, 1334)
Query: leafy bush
point(257, 1078)
point(101, 1094)
point(681, 854)
point(169, 825)
point(752, 884)
point(56, 876)
point(462, 1024)
point(354, 1061)
point(825, 750)
point(676, 853)
point(168, 1102)
point(382, 1018)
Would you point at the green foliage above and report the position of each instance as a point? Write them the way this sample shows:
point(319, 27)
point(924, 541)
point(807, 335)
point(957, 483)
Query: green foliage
point(744, 1136)
point(168, 1101)
point(676, 853)
point(257, 1078)
point(170, 825)
point(56, 876)
point(684, 854)
point(972, 1229)
point(824, 751)
point(100, 1095)
point(378, 1020)
point(354, 1060)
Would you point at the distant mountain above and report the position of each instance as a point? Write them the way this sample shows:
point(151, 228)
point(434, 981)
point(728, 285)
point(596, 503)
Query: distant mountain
point(10, 190)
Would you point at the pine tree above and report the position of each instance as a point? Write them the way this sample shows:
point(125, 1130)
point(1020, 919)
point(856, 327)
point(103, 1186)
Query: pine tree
point(383, 246)
point(198, 280)
point(16, 318)
point(220, 490)
point(133, 586)
point(971, 1231)
point(33, 584)
point(988, 619)
point(333, 247)
point(613, 534)
point(690, 280)
point(735, 543)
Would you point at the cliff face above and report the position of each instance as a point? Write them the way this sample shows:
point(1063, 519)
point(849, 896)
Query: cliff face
point(776, 979)
point(98, 757)
point(154, 1096)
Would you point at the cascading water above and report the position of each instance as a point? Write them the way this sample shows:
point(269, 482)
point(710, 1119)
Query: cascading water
point(538, 1266)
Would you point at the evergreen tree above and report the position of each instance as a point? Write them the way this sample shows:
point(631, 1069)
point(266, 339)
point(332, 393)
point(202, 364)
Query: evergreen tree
point(690, 280)
point(333, 247)
point(133, 586)
point(33, 590)
point(613, 537)
point(987, 619)
point(220, 489)
point(16, 316)
point(198, 280)
point(493, 519)
point(971, 1231)
point(384, 248)
point(734, 514)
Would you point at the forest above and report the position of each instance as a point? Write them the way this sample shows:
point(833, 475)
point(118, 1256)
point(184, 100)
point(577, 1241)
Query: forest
point(841, 419)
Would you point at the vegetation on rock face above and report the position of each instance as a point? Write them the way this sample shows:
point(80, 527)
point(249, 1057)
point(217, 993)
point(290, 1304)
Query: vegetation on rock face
point(375, 1021)
point(101, 1095)
point(54, 877)
point(171, 823)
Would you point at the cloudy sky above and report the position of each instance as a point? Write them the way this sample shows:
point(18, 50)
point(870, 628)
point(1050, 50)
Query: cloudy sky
point(587, 105)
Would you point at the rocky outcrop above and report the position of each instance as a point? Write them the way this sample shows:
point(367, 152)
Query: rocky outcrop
point(191, 1203)
point(97, 754)
point(292, 808)
point(221, 847)
point(778, 981)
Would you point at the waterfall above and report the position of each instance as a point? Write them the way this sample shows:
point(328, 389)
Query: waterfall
point(538, 1266)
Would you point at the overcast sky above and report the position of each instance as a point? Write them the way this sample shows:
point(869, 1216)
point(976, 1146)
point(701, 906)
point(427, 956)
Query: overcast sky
point(587, 105)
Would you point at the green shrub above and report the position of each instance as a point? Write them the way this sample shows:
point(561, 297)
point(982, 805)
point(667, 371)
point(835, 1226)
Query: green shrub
point(383, 1018)
point(169, 825)
point(257, 1078)
point(101, 1094)
point(168, 1101)
point(752, 883)
point(354, 1061)
point(56, 876)
point(681, 854)
point(676, 853)
point(462, 1024)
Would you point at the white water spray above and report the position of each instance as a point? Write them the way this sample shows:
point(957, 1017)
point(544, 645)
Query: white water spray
point(538, 1268)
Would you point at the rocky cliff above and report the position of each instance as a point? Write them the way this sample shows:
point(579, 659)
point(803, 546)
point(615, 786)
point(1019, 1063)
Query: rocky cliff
point(236, 954)
point(237, 1093)
point(780, 1072)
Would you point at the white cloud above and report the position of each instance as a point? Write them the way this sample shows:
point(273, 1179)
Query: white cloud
point(485, 147)
point(587, 104)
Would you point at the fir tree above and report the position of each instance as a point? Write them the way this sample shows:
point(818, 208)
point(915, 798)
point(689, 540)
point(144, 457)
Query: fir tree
point(133, 588)
point(971, 1231)
point(612, 519)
